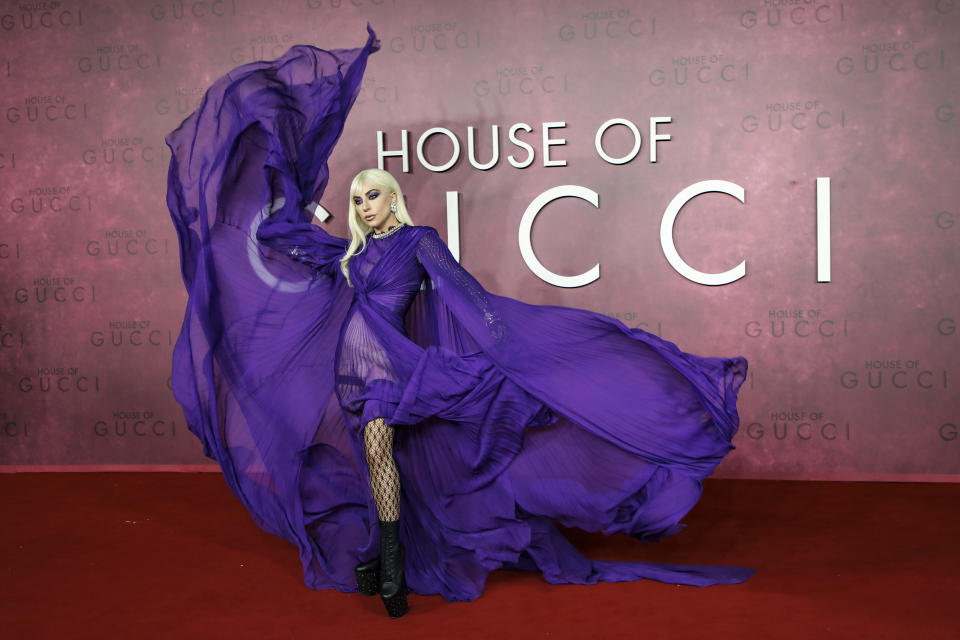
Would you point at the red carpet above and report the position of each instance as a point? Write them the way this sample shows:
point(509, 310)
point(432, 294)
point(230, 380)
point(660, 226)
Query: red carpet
point(167, 555)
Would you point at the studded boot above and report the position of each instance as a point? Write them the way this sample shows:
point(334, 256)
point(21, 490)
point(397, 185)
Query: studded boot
point(368, 577)
point(393, 583)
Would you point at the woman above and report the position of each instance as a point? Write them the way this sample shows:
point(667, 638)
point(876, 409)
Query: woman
point(371, 391)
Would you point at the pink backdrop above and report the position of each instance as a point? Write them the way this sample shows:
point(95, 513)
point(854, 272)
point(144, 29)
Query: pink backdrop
point(854, 377)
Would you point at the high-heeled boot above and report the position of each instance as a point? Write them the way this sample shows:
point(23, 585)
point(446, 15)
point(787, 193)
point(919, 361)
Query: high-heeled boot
point(393, 582)
point(368, 577)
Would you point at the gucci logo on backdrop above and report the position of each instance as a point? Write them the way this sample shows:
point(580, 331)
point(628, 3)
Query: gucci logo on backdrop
point(434, 38)
point(128, 152)
point(120, 58)
point(700, 70)
point(180, 9)
point(135, 424)
point(796, 115)
point(55, 290)
point(52, 199)
point(944, 112)
point(800, 426)
point(895, 375)
point(522, 80)
point(892, 57)
point(127, 242)
point(779, 13)
point(796, 323)
point(608, 25)
point(947, 431)
point(59, 380)
point(132, 333)
point(8, 160)
point(41, 16)
point(611, 31)
point(47, 109)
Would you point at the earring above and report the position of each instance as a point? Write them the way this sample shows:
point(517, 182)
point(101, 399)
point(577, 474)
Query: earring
point(393, 207)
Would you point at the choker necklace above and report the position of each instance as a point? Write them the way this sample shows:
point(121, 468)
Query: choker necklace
point(389, 232)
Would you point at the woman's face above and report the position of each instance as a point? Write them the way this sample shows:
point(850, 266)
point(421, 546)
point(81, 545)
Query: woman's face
point(373, 207)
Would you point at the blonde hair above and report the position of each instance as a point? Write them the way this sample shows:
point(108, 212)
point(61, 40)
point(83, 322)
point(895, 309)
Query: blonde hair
point(371, 179)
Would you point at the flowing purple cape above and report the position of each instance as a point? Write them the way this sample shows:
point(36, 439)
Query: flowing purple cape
point(510, 417)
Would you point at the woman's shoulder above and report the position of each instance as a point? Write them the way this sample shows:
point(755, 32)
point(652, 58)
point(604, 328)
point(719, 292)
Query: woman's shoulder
point(423, 231)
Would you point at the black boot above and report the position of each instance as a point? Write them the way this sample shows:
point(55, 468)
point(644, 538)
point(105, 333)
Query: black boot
point(368, 577)
point(393, 583)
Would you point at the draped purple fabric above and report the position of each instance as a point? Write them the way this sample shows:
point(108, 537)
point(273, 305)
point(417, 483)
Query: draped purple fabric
point(509, 417)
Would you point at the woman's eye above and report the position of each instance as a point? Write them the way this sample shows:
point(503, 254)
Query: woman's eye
point(373, 196)
point(356, 201)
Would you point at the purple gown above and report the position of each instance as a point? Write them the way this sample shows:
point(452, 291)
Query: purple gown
point(509, 417)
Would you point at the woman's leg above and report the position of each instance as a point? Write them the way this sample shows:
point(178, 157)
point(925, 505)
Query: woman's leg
point(384, 478)
point(385, 487)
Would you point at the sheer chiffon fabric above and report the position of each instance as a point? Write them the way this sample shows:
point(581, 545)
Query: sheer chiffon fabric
point(508, 417)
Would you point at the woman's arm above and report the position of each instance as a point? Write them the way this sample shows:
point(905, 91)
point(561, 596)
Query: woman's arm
point(306, 243)
point(460, 290)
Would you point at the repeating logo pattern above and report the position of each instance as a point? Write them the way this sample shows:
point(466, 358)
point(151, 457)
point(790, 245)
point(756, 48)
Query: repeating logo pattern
point(769, 178)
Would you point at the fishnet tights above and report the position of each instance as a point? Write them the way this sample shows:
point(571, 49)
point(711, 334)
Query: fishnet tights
point(384, 478)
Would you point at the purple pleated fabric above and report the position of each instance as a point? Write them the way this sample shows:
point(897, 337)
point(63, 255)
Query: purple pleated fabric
point(510, 417)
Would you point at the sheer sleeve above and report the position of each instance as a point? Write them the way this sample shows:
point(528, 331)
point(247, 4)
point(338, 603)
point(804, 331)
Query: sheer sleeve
point(459, 288)
point(306, 243)
point(252, 367)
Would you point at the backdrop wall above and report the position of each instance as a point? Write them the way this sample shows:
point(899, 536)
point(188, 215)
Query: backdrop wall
point(806, 163)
